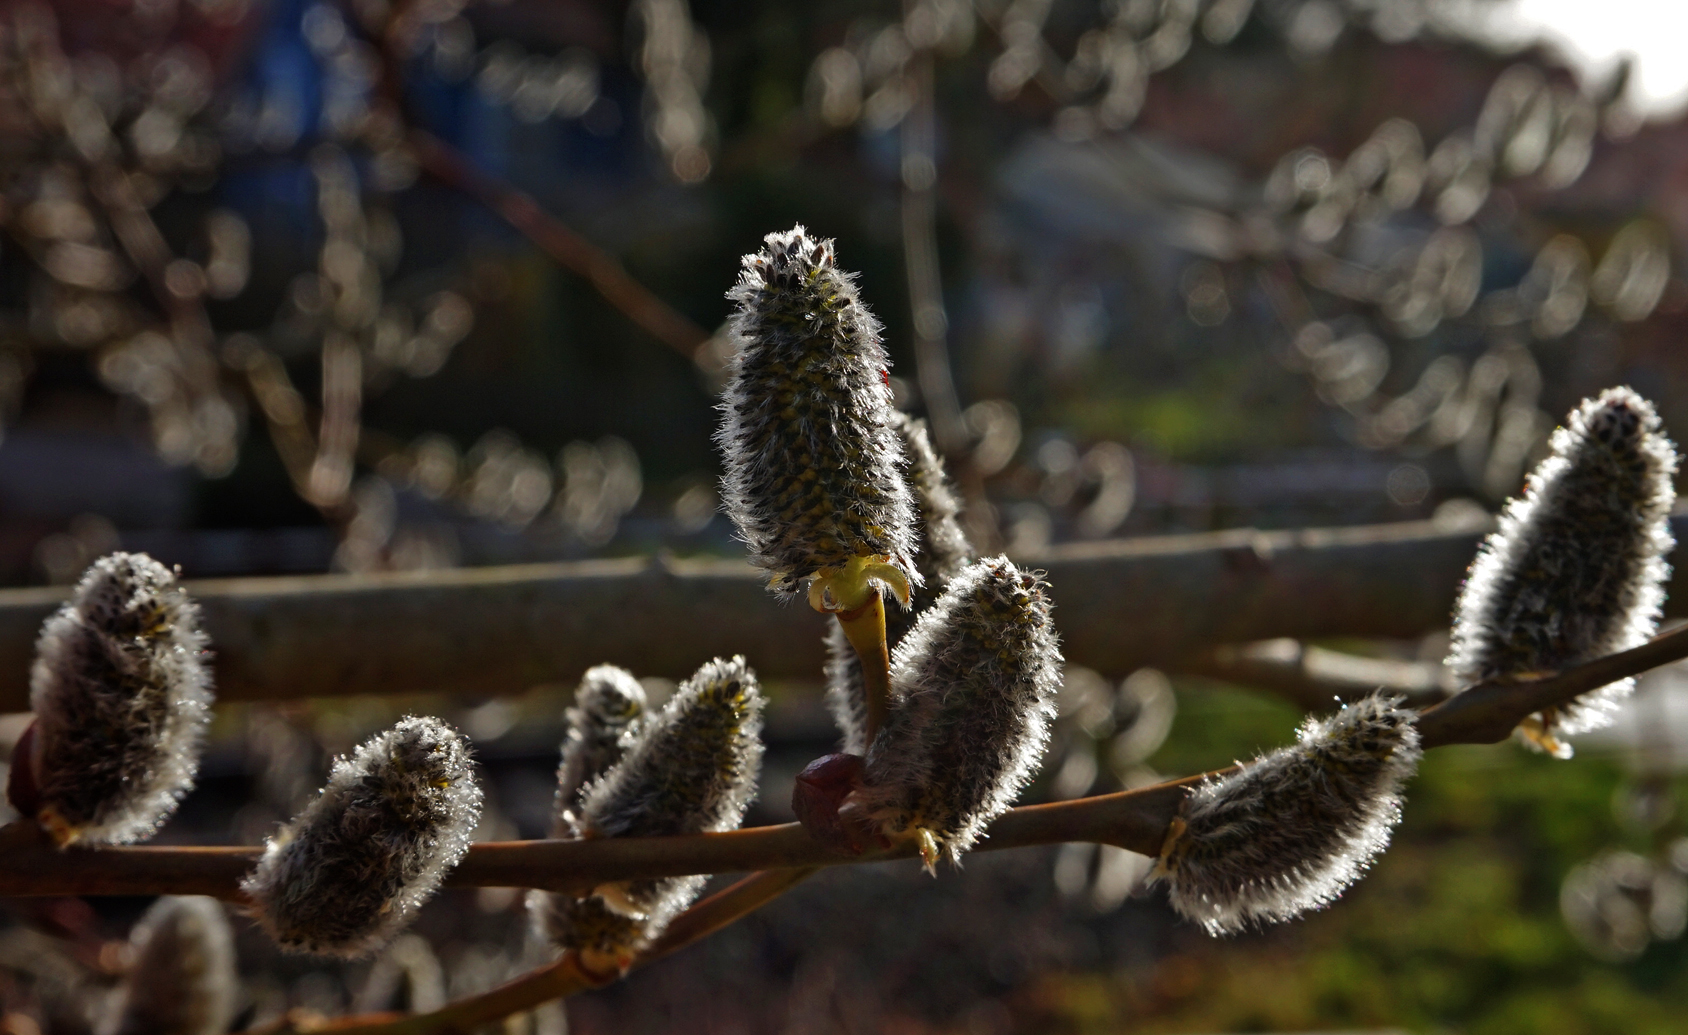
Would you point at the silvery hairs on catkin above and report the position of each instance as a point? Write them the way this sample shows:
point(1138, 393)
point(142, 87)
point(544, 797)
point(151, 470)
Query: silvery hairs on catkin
point(692, 769)
point(182, 978)
point(943, 552)
point(814, 463)
point(351, 870)
point(1577, 567)
point(121, 695)
point(605, 720)
point(973, 688)
point(1291, 830)
point(608, 707)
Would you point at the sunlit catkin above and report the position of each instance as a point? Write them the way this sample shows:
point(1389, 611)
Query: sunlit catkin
point(1291, 830)
point(181, 978)
point(692, 769)
point(351, 870)
point(943, 552)
point(1577, 567)
point(608, 706)
point(122, 695)
point(608, 710)
point(973, 688)
point(813, 459)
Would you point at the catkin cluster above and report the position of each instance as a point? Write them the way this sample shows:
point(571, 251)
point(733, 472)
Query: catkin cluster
point(690, 768)
point(1577, 567)
point(1291, 830)
point(121, 695)
point(943, 552)
point(813, 458)
point(973, 690)
point(352, 869)
point(608, 708)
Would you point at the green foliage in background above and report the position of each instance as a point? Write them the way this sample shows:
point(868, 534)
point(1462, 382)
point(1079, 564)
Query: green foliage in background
point(1457, 928)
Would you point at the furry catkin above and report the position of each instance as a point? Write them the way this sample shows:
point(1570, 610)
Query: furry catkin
point(608, 706)
point(973, 691)
point(1292, 829)
point(1577, 567)
point(943, 551)
point(352, 869)
point(606, 719)
point(814, 463)
point(182, 978)
point(122, 696)
point(693, 769)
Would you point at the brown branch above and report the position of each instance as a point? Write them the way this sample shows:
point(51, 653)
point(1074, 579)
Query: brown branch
point(503, 630)
point(1487, 714)
point(564, 977)
point(1135, 820)
point(1312, 677)
point(920, 259)
point(606, 275)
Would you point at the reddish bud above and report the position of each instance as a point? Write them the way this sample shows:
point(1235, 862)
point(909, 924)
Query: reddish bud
point(819, 792)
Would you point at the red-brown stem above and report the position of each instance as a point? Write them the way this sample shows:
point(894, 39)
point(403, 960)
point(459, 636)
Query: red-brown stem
point(606, 275)
point(564, 977)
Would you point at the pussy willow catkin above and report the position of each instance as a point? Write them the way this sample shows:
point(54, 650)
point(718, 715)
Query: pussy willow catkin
point(973, 690)
point(353, 868)
point(122, 695)
point(1577, 567)
point(814, 461)
point(1293, 828)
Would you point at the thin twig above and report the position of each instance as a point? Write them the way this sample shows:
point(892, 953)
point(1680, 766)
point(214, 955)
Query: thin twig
point(606, 275)
point(1135, 820)
point(920, 257)
point(564, 977)
point(1487, 714)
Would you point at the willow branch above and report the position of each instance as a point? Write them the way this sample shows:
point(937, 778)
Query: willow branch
point(1313, 677)
point(920, 257)
point(1124, 603)
point(564, 977)
point(1135, 820)
point(1487, 713)
point(600, 269)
